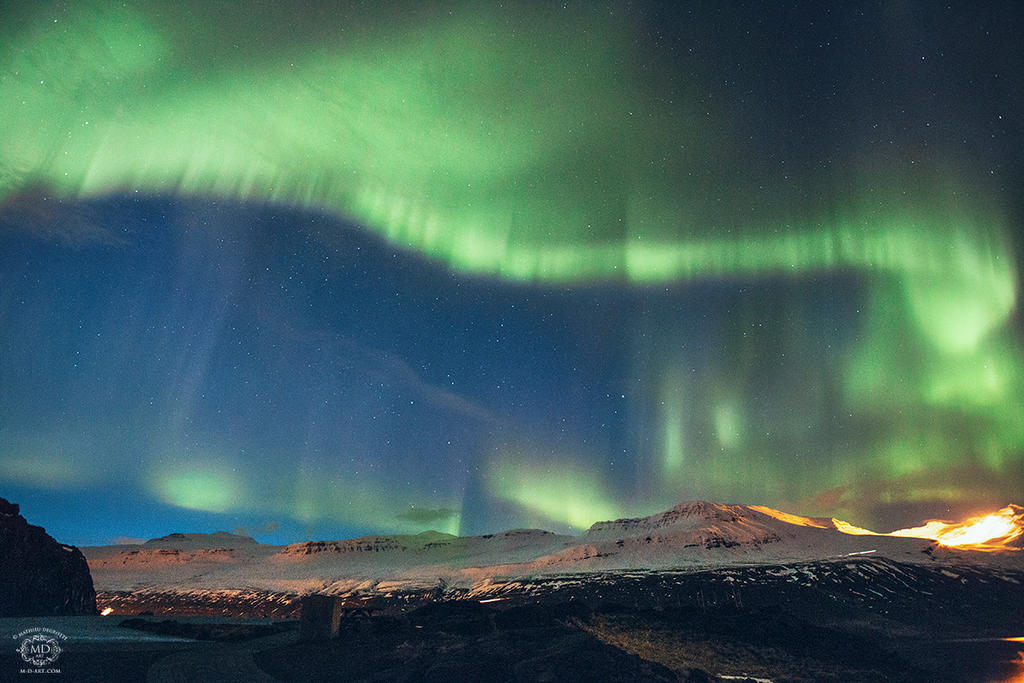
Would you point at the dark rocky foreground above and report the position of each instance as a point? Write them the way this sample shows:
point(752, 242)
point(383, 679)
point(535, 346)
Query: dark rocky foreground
point(38, 575)
point(250, 604)
point(528, 641)
point(465, 641)
point(220, 632)
point(860, 619)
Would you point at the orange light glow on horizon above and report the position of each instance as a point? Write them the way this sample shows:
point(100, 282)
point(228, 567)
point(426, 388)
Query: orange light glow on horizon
point(1018, 676)
point(994, 531)
point(848, 528)
point(789, 518)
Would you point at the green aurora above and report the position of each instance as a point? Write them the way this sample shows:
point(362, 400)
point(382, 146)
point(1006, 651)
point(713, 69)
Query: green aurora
point(529, 146)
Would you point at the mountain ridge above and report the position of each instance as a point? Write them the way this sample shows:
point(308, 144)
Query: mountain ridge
point(690, 536)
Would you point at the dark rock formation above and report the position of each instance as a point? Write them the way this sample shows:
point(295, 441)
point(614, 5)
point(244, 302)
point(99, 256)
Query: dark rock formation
point(218, 539)
point(38, 575)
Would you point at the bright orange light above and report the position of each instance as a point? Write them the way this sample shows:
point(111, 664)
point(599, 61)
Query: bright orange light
point(999, 530)
point(988, 532)
point(788, 518)
point(1018, 676)
point(106, 611)
point(848, 528)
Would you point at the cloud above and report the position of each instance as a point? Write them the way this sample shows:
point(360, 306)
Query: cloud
point(42, 213)
point(953, 491)
point(427, 515)
point(126, 540)
point(268, 528)
point(832, 499)
point(374, 362)
point(50, 471)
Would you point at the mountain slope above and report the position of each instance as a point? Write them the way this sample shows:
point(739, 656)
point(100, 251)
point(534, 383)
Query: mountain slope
point(691, 536)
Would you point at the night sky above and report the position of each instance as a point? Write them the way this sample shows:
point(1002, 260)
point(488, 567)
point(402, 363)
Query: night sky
point(310, 271)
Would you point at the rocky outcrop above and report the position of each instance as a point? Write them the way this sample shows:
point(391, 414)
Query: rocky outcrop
point(38, 575)
point(367, 544)
point(159, 557)
point(218, 539)
point(698, 511)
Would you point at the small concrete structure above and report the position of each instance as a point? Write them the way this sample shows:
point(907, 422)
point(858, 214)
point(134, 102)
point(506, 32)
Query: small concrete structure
point(320, 615)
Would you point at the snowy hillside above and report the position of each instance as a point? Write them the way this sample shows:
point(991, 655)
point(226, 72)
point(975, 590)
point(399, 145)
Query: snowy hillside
point(691, 536)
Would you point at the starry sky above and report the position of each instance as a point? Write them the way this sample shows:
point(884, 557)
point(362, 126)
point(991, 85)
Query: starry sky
point(317, 270)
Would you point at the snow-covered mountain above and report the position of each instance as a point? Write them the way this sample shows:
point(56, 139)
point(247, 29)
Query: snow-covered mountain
point(691, 536)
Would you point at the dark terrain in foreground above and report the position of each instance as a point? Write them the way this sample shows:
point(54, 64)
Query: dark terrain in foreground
point(855, 620)
point(38, 575)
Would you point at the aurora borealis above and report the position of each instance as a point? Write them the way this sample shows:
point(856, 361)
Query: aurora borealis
point(325, 270)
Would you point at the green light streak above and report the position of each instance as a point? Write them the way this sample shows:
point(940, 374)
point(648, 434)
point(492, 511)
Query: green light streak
point(199, 489)
point(50, 459)
point(673, 444)
point(312, 494)
point(973, 293)
point(445, 142)
point(46, 472)
point(672, 413)
point(728, 424)
point(558, 489)
point(321, 494)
